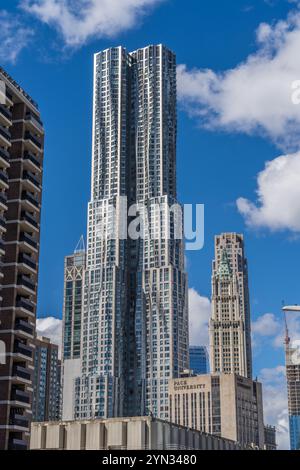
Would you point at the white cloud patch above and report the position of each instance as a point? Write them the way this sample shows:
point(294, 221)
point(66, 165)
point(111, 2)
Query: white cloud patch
point(271, 328)
point(14, 36)
point(256, 95)
point(51, 328)
point(276, 403)
point(80, 20)
point(266, 325)
point(278, 196)
point(199, 314)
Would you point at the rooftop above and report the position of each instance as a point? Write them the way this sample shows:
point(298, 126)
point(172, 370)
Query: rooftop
point(18, 87)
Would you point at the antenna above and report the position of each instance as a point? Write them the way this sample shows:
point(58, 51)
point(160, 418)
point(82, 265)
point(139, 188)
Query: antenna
point(80, 247)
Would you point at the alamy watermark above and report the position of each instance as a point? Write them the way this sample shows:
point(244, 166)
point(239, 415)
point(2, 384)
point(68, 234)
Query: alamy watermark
point(151, 221)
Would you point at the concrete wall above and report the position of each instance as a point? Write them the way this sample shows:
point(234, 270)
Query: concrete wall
point(122, 433)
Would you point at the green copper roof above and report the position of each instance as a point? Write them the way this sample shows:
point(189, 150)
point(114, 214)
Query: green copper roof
point(224, 267)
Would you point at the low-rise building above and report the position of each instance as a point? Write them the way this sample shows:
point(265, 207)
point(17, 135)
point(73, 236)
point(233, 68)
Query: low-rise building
point(224, 405)
point(140, 433)
point(270, 438)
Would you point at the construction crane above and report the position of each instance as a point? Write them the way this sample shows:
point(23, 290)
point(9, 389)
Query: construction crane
point(289, 309)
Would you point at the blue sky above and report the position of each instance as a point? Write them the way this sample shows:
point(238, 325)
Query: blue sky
point(219, 155)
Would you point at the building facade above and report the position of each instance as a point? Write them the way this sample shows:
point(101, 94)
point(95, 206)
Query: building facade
point(135, 321)
point(225, 405)
point(72, 326)
point(270, 438)
point(293, 384)
point(230, 324)
point(135, 433)
point(21, 164)
point(199, 360)
point(46, 381)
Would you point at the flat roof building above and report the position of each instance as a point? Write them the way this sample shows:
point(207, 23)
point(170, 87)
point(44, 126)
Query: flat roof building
point(138, 433)
point(225, 405)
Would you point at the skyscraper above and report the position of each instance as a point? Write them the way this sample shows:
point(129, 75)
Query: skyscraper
point(230, 324)
point(292, 354)
point(46, 381)
point(135, 321)
point(199, 360)
point(72, 326)
point(21, 159)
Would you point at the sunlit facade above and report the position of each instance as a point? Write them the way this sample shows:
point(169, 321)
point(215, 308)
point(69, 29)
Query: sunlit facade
point(135, 321)
point(230, 324)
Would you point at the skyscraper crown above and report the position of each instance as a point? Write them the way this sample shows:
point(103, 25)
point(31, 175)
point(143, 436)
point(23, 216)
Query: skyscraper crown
point(224, 268)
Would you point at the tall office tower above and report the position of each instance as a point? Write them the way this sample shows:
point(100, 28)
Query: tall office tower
point(21, 153)
point(72, 324)
point(199, 360)
point(135, 325)
point(230, 328)
point(292, 353)
point(46, 381)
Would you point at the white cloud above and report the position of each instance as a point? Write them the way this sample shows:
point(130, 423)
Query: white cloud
point(14, 36)
point(266, 325)
point(278, 196)
point(256, 95)
point(80, 20)
point(51, 328)
point(199, 314)
point(276, 403)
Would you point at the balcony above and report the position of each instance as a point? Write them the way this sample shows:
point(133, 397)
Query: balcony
point(20, 396)
point(32, 142)
point(26, 283)
point(9, 99)
point(34, 122)
point(29, 219)
point(4, 155)
point(32, 179)
point(24, 238)
point(27, 261)
point(3, 199)
point(32, 160)
point(19, 421)
point(21, 348)
point(21, 372)
point(2, 224)
point(30, 199)
point(5, 115)
point(24, 326)
point(2, 248)
point(25, 304)
point(3, 179)
point(17, 444)
point(5, 135)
